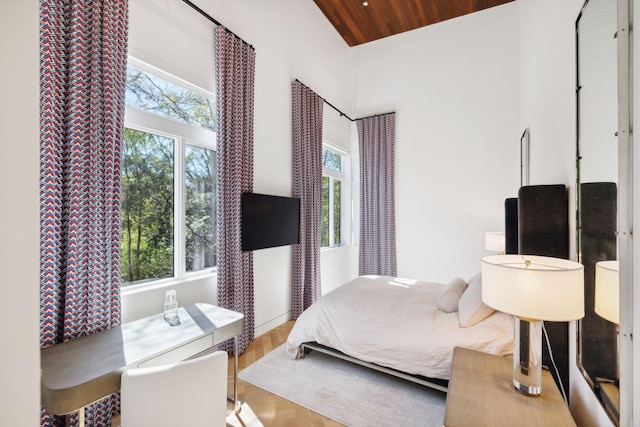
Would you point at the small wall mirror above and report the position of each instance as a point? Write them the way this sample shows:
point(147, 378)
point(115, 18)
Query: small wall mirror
point(597, 172)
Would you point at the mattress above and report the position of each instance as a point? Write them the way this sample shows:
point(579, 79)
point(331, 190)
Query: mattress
point(396, 323)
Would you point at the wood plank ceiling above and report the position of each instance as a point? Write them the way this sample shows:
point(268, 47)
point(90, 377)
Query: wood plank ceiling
point(359, 21)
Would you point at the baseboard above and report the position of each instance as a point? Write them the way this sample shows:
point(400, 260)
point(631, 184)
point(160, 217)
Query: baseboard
point(271, 324)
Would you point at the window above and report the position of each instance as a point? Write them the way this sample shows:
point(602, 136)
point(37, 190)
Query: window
point(168, 216)
point(334, 176)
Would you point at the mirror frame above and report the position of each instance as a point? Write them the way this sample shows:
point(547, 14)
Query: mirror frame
point(624, 204)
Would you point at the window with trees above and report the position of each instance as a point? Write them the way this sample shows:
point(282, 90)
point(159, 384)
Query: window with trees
point(168, 216)
point(334, 168)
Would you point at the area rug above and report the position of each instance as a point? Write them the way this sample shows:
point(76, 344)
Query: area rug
point(346, 392)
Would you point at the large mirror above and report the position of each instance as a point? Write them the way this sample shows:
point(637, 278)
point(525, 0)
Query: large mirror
point(597, 172)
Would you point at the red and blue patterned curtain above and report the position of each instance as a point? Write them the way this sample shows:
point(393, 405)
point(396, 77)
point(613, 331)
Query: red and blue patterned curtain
point(376, 136)
point(307, 184)
point(83, 49)
point(235, 77)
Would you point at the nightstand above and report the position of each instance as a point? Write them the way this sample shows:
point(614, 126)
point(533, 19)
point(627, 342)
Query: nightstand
point(481, 393)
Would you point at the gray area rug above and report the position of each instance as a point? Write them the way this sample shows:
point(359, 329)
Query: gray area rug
point(345, 392)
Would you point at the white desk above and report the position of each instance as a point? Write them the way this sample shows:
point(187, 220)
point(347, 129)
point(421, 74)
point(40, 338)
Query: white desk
point(82, 371)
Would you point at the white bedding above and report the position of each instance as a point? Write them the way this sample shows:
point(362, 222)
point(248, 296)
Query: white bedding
point(396, 323)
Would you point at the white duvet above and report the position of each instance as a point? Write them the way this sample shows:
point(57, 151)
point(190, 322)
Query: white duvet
point(396, 323)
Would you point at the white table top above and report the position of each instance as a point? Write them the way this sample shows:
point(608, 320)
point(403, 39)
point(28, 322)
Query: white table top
point(82, 371)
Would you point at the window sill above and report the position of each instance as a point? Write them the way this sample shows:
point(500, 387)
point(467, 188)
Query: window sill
point(329, 248)
point(167, 283)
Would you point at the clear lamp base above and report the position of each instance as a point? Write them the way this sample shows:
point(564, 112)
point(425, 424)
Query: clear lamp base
point(527, 357)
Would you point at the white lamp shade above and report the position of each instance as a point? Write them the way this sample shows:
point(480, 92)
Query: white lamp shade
point(607, 300)
point(534, 287)
point(494, 241)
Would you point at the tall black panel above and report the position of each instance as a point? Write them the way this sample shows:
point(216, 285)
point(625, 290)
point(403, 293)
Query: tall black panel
point(543, 229)
point(511, 225)
point(598, 219)
point(543, 221)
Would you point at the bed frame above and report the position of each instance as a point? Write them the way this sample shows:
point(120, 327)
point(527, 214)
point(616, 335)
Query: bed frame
point(536, 223)
point(435, 383)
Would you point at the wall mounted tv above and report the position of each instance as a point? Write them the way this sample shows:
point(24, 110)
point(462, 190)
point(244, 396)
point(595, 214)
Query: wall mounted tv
point(269, 221)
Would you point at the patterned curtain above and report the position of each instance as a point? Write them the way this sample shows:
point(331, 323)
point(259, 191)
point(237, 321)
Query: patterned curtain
point(307, 184)
point(83, 46)
point(235, 75)
point(376, 136)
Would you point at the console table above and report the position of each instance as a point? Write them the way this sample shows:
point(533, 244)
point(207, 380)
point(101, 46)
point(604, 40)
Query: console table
point(79, 372)
point(481, 393)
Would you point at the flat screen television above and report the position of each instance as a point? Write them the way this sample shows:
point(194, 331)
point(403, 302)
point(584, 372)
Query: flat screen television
point(269, 221)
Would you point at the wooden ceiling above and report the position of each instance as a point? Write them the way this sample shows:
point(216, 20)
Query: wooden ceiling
point(358, 24)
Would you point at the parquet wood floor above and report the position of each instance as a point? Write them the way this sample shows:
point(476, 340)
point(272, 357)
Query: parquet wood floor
point(272, 410)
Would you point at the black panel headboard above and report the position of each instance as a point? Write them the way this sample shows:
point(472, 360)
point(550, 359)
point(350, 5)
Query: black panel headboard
point(511, 225)
point(598, 242)
point(543, 229)
point(543, 221)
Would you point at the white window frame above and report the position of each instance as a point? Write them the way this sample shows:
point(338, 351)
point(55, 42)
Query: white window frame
point(343, 176)
point(183, 135)
point(147, 68)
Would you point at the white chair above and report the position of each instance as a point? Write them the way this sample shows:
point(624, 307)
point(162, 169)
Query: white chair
point(190, 393)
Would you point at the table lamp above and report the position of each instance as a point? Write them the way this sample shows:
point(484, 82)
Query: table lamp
point(494, 241)
point(533, 289)
point(607, 300)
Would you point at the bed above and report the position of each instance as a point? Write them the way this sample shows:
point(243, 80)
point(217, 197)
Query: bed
point(404, 327)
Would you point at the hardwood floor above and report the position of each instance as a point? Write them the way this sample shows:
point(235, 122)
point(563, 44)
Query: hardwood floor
point(272, 410)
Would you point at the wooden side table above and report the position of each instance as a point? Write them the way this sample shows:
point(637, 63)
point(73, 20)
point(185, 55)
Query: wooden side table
point(481, 393)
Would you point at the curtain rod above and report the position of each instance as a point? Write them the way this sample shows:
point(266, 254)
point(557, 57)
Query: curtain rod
point(375, 115)
point(210, 18)
point(329, 104)
point(340, 112)
point(216, 22)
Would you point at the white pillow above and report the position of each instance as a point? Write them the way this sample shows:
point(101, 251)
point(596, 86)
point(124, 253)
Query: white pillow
point(450, 295)
point(471, 309)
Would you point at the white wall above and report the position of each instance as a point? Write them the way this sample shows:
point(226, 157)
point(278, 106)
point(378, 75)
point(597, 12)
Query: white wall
point(455, 89)
point(528, 81)
point(598, 93)
point(19, 215)
point(307, 48)
point(340, 264)
point(464, 91)
point(170, 35)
